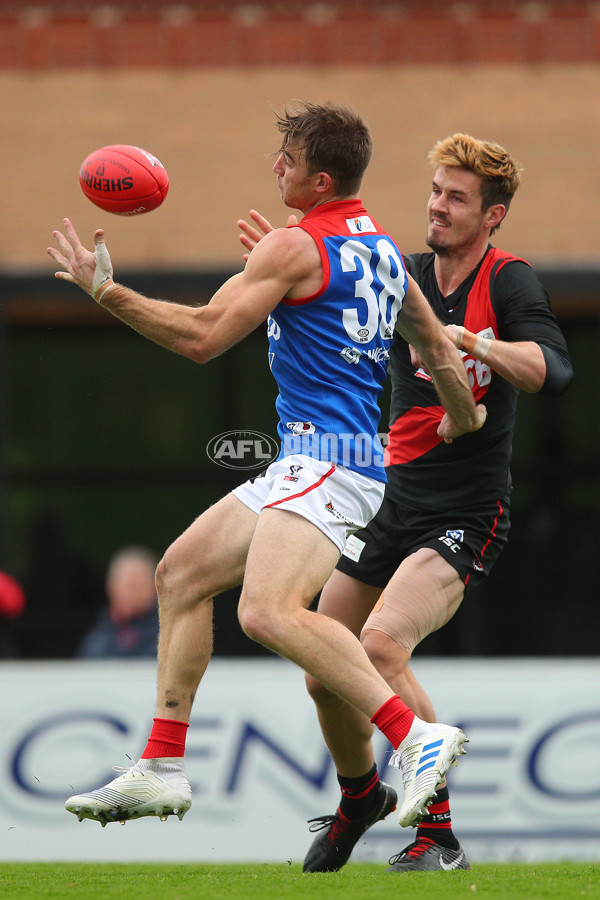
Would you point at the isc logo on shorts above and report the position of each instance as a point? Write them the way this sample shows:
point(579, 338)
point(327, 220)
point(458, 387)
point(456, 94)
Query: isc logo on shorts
point(453, 539)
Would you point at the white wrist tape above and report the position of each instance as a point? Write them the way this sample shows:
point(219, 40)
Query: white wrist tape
point(481, 348)
point(474, 344)
point(103, 274)
point(460, 331)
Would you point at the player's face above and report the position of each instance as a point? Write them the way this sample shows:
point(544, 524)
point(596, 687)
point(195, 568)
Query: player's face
point(454, 215)
point(294, 183)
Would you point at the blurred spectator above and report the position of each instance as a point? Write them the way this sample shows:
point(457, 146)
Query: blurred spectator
point(128, 626)
point(12, 604)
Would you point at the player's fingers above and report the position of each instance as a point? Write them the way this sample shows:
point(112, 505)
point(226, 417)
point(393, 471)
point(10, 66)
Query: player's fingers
point(64, 276)
point(53, 252)
point(72, 236)
point(63, 243)
point(264, 224)
point(251, 233)
point(99, 236)
point(444, 428)
point(247, 243)
point(59, 260)
point(250, 238)
point(292, 220)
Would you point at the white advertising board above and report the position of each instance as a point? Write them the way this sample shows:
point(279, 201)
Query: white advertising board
point(528, 789)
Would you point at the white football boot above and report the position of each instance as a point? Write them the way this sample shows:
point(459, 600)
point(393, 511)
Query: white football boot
point(151, 787)
point(424, 757)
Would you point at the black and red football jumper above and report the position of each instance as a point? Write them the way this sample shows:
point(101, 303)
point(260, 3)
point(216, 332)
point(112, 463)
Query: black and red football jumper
point(460, 489)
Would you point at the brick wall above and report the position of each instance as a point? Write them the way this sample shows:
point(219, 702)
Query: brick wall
point(53, 35)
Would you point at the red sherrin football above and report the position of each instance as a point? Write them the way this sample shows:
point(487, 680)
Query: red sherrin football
point(124, 180)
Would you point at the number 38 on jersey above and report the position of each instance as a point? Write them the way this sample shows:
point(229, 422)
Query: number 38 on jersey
point(381, 285)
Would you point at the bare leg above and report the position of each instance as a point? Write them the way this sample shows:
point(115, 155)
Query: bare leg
point(208, 558)
point(273, 609)
point(205, 560)
point(347, 732)
point(423, 594)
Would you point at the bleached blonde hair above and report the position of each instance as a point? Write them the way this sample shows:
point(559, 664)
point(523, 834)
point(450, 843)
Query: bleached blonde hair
point(499, 173)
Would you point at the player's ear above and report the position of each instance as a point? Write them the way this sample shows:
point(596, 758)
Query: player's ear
point(323, 182)
point(495, 214)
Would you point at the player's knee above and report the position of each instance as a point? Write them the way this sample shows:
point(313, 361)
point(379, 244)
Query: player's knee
point(255, 621)
point(162, 578)
point(321, 695)
point(174, 588)
point(249, 622)
point(389, 658)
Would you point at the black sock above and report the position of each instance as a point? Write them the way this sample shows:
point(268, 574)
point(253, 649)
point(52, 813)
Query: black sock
point(359, 794)
point(437, 824)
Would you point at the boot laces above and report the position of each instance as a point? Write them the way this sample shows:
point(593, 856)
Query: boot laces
point(337, 824)
point(320, 822)
point(404, 761)
point(413, 851)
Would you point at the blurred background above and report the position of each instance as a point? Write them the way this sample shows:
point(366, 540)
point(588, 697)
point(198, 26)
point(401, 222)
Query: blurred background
point(103, 435)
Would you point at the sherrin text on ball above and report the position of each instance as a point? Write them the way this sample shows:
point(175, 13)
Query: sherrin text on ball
point(124, 180)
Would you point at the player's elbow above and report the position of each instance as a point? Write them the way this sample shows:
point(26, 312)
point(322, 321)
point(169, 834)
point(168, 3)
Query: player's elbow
point(199, 353)
point(201, 349)
point(559, 371)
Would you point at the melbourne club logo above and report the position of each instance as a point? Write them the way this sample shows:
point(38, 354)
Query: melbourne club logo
point(242, 449)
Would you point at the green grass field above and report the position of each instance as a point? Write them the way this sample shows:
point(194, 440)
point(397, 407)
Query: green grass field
point(555, 881)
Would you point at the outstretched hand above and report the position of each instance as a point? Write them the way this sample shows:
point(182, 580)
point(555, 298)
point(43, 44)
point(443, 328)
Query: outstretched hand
point(90, 271)
point(251, 236)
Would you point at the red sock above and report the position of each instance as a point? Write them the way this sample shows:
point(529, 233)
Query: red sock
point(167, 738)
point(394, 718)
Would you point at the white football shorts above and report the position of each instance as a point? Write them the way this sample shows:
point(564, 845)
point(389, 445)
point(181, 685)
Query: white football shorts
point(337, 500)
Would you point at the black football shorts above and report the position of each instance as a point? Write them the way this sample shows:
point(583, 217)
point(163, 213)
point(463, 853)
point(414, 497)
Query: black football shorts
point(471, 541)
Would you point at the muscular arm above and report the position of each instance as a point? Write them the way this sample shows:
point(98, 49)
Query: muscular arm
point(420, 327)
point(522, 363)
point(282, 261)
point(532, 354)
point(198, 333)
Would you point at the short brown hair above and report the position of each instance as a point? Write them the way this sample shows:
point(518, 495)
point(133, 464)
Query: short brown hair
point(500, 175)
point(334, 139)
